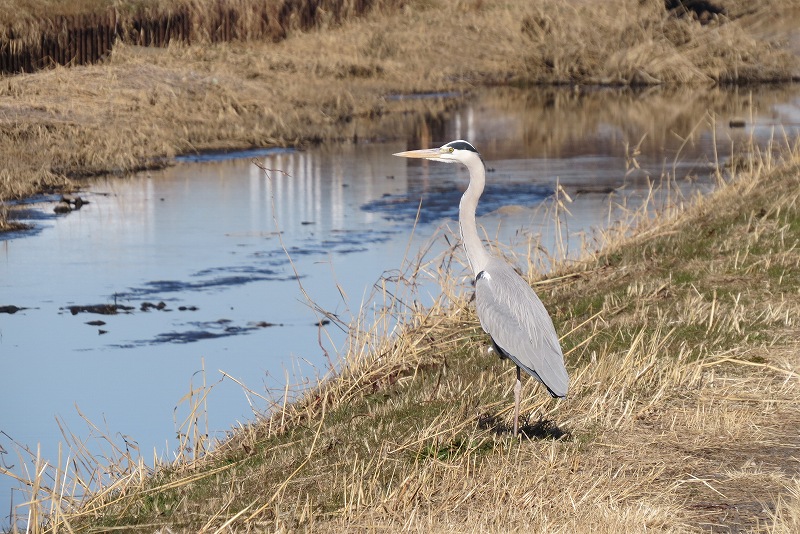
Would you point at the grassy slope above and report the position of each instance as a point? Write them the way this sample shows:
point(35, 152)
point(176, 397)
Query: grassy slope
point(661, 430)
point(683, 411)
point(144, 106)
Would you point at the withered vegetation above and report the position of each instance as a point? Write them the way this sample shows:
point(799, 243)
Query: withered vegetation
point(592, 42)
point(143, 106)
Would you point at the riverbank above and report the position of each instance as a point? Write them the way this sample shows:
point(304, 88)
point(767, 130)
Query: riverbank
point(143, 106)
point(681, 341)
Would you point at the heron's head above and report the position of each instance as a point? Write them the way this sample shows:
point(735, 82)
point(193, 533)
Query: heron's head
point(453, 151)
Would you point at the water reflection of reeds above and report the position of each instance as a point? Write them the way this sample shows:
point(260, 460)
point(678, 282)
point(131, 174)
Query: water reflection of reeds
point(559, 122)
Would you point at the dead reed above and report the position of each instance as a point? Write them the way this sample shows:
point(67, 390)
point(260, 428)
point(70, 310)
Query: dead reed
point(24, 22)
point(590, 43)
point(43, 34)
point(680, 338)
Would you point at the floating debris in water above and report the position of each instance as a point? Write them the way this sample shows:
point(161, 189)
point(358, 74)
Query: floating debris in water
point(96, 323)
point(147, 306)
point(74, 201)
point(265, 324)
point(102, 309)
point(69, 203)
point(11, 310)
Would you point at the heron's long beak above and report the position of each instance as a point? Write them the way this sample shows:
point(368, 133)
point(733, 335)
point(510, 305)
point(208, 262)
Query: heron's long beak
point(420, 154)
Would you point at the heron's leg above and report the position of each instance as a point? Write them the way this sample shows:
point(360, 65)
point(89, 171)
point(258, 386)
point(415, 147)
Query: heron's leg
point(517, 392)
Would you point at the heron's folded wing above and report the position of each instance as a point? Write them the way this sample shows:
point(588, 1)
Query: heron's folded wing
point(513, 315)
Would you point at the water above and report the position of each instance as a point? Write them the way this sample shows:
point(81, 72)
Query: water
point(203, 238)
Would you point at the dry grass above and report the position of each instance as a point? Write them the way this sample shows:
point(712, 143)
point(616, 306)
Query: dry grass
point(143, 106)
point(24, 21)
point(589, 42)
point(18, 14)
point(681, 341)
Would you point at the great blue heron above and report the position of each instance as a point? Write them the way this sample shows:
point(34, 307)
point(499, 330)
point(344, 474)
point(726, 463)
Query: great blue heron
point(509, 310)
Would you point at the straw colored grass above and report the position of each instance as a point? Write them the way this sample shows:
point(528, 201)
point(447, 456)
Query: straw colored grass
point(22, 22)
point(144, 106)
point(681, 340)
point(589, 42)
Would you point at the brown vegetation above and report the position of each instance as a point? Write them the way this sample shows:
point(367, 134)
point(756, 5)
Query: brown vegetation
point(590, 42)
point(143, 106)
point(38, 34)
point(681, 340)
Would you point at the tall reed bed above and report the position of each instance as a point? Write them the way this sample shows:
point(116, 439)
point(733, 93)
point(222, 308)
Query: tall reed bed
point(45, 35)
point(208, 20)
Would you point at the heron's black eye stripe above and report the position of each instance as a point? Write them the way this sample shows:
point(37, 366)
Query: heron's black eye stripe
point(461, 145)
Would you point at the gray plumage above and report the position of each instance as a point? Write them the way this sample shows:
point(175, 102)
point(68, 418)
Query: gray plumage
point(508, 308)
point(515, 318)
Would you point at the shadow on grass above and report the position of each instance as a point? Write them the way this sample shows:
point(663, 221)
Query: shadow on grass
point(541, 429)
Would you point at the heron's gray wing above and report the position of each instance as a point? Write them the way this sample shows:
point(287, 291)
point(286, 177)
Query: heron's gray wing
point(515, 318)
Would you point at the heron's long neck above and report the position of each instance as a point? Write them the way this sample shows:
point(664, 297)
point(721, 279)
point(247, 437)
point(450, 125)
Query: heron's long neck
point(476, 253)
